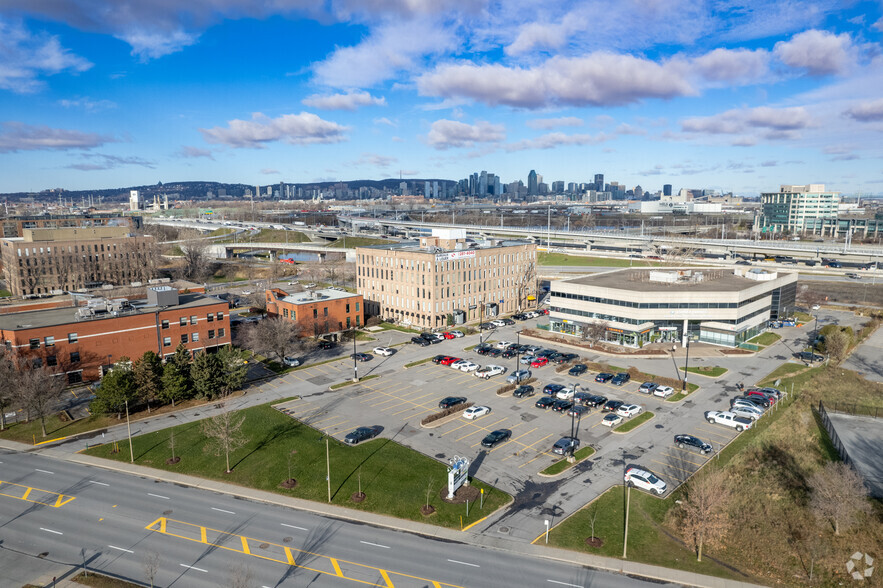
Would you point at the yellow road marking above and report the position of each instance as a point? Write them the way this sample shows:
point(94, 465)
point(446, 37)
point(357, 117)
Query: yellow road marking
point(289, 556)
point(202, 538)
point(245, 548)
point(682, 458)
point(389, 583)
point(467, 527)
point(25, 495)
point(336, 566)
point(481, 429)
point(543, 454)
point(714, 433)
point(466, 424)
point(46, 497)
point(62, 500)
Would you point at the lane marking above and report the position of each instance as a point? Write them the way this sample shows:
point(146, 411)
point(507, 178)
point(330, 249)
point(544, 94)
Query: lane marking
point(222, 510)
point(294, 527)
point(51, 531)
point(565, 583)
point(158, 496)
point(43, 471)
point(121, 549)
point(192, 568)
point(99, 483)
point(374, 544)
point(464, 563)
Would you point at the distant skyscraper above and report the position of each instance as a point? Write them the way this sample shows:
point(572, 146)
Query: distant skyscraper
point(435, 189)
point(532, 183)
point(482, 183)
point(426, 189)
point(599, 182)
point(666, 189)
point(558, 187)
point(134, 200)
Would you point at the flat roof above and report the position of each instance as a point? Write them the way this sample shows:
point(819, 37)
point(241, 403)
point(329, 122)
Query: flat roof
point(715, 279)
point(34, 319)
point(308, 296)
point(414, 246)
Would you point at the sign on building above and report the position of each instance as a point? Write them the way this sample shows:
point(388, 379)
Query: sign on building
point(451, 255)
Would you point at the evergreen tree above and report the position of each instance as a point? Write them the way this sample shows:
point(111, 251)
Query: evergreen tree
point(148, 372)
point(233, 368)
point(175, 384)
point(117, 387)
point(207, 375)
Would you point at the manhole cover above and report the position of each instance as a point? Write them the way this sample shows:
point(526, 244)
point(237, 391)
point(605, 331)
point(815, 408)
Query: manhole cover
point(439, 455)
point(167, 512)
point(264, 545)
point(286, 540)
point(504, 530)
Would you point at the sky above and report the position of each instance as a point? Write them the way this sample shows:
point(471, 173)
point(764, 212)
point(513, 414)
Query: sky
point(719, 94)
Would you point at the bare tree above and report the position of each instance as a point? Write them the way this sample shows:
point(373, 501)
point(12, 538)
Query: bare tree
point(224, 433)
point(8, 386)
point(39, 390)
point(151, 566)
point(706, 519)
point(275, 336)
point(838, 495)
point(526, 285)
point(240, 577)
point(808, 298)
point(837, 345)
point(196, 258)
point(593, 331)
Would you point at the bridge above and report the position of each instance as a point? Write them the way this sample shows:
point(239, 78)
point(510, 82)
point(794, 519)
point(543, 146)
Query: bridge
point(322, 253)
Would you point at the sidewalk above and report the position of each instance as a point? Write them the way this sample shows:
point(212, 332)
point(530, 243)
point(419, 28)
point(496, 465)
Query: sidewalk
point(432, 531)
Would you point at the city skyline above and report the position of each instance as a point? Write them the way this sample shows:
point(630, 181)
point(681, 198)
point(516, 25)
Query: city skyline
point(733, 98)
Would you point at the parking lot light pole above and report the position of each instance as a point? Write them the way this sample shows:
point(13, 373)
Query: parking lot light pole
point(686, 365)
point(355, 361)
point(517, 353)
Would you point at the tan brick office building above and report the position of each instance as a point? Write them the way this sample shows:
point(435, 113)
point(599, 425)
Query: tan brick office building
point(318, 312)
point(444, 279)
point(46, 261)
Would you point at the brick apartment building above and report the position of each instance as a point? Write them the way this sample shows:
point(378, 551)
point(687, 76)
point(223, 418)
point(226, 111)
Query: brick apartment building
point(51, 261)
point(318, 312)
point(443, 279)
point(14, 226)
point(82, 341)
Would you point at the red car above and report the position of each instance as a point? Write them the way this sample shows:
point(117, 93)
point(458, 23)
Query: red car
point(449, 360)
point(539, 362)
point(448, 335)
point(761, 394)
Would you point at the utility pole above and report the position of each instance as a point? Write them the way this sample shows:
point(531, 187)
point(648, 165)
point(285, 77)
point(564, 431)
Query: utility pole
point(355, 363)
point(686, 363)
point(549, 230)
point(328, 469)
point(129, 427)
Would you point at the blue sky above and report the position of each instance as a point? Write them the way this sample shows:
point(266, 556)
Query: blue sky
point(739, 96)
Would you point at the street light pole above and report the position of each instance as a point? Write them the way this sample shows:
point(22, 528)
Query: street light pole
point(129, 427)
point(686, 364)
point(355, 362)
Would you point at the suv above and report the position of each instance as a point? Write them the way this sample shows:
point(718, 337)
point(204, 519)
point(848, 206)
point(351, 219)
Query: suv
point(523, 391)
point(644, 480)
point(620, 379)
point(564, 445)
point(577, 370)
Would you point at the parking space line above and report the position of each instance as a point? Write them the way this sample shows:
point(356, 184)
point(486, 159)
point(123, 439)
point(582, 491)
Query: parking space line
point(336, 425)
point(539, 455)
point(526, 447)
point(682, 458)
point(420, 412)
point(465, 424)
point(515, 426)
point(480, 429)
point(720, 434)
point(669, 465)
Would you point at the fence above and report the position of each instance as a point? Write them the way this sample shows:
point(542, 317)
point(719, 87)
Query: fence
point(832, 434)
point(856, 409)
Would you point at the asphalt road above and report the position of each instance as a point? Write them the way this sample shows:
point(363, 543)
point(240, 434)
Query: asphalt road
point(69, 513)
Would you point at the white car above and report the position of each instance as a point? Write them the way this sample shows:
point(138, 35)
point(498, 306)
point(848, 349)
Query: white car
point(489, 371)
point(611, 419)
point(456, 334)
point(565, 393)
point(384, 351)
point(503, 344)
point(663, 391)
point(469, 367)
point(473, 412)
point(629, 410)
point(291, 361)
point(644, 480)
point(816, 307)
point(498, 323)
point(459, 363)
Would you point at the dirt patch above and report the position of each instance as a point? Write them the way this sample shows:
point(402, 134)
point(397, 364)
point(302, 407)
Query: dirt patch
point(358, 497)
point(427, 509)
point(173, 460)
point(470, 493)
point(595, 542)
point(288, 484)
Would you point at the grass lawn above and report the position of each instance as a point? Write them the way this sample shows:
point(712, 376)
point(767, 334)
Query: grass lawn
point(392, 327)
point(346, 383)
point(563, 465)
point(579, 260)
point(783, 371)
point(418, 362)
point(5, 293)
point(634, 422)
point(681, 395)
point(350, 242)
point(802, 317)
point(55, 428)
point(219, 232)
point(648, 543)
point(710, 371)
point(99, 581)
point(767, 338)
point(394, 478)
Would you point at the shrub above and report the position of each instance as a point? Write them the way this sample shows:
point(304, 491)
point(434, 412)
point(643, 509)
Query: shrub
point(373, 321)
point(446, 412)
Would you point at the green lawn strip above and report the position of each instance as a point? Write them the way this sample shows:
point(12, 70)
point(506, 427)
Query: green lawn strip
point(5, 293)
point(711, 372)
point(418, 362)
point(350, 382)
point(562, 464)
point(767, 338)
point(55, 428)
point(307, 366)
point(392, 327)
point(783, 371)
point(101, 581)
point(802, 317)
point(634, 422)
point(578, 260)
point(648, 543)
point(394, 478)
point(350, 242)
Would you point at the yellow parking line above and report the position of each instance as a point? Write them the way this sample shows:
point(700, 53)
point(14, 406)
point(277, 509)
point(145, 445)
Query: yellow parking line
point(709, 431)
point(386, 578)
point(526, 447)
point(539, 455)
point(682, 459)
point(668, 465)
point(465, 424)
point(516, 425)
point(480, 429)
point(419, 413)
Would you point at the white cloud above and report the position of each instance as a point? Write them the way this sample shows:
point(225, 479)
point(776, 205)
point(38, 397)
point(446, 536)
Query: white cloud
point(554, 123)
point(385, 121)
point(870, 111)
point(297, 129)
point(728, 65)
point(26, 57)
point(598, 79)
point(194, 152)
point(269, 171)
point(102, 161)
point(375, 160)
point(778, 123)
point(451, 133)
point(17, 136)
point(88, 104)
point(819, 52)
point(552, 140)
point(346, 101)
point(627, 129)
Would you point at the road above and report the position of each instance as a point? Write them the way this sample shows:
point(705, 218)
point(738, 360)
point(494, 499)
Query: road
point(70, 513)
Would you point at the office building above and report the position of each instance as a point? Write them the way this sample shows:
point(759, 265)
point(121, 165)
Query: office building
point(50, 261)
point(83, 342)
point(599, 182)
point(640, 306)
point(443, 280)
point(317, 312)
point(134, 200)
point(14, 226)
point(532, 183)
point(666, 189)
point(798, 208)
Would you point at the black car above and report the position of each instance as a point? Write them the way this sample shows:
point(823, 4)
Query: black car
point(361, 356)
point(438, 358)
point(435, 340)
point(554, 355)
point(508, 322)
point(547, 353)
point(545, 402)
point(603, 377)
point(595, 401)
point(565, 445)
point(494, 352)
point(620, 379)
point(581, 397)
point(487, 326)
point(683, 441)
point(363, 434)
point(577, 370)
point(483, 349)
point(323, 344)
point(523, 391)
point(519, 316)
point(562, 405)
point(565, 357)
point(420, 341)
point(577, 410)
point(552, 389)
point(612, 405)
point(451, 401)
point(428, 336)
point(758, 401)
point(495, 437)
point(808, 356)
point(507, 353)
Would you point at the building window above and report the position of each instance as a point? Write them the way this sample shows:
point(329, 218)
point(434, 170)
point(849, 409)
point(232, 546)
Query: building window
point(209, 317)
point(358, 320)
point(184, 338)
point(347, 307)
point(37, 362)
point(315, 313)
point(220, 316)
point(35, 343)
point(75, 377)
point(285, 312)
point(325, 310)
point(75, 357)
point(220, 333)
point(167, 342)
point(165, 324)
point(211, 333)
point(357, 307)
point(194, 319)
point(194, 337)
point(49, 341)
point(347, 322)
point(51, 360)
point(182, 321)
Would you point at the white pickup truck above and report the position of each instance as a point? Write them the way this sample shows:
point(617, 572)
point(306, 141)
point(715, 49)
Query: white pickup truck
point(729, 419)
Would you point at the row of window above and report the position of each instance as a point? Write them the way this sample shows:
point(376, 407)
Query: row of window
point(631, 321)
point(194, 337)
point(182, 321)
point(659, 305)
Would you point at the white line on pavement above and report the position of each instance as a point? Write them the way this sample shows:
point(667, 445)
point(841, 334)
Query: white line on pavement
point(222, 510)
point(158, 496)
point(464, 563)
point(294, 527)
point(565, 583)
point(121, 549)
point(51, 531)
point(192, 568)
point(99, 483)
point(44, 471)
point(374, 544)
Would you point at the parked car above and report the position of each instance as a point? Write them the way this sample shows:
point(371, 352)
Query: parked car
point(603, 377)
point(507, 322)
point(495, 437)
point(577, 370)
point(489, 371)
point(595, 401)
point(448, 335)
point(539, 362)
point(620, 379)
point(644, 480)
point(518, 376)
point(565, 393)
point(611, 420)
point(450, 401)
point(747, 411)
point(545, 402)
point(728, 419)
point(774, 391)
point(498, 323)
point(581, 397)
point(473, 412)
point(448, 360)
point(508, 353)
point(420, 341)
point(291, 361)
point(487, 326)
point(325, 344)
point(577, 410)
point(648, 387)
point(760, 401)
point(494, 352)
point(439, 358)
point(456, 334)
point(363, 434)
point(629, 410)
point(503, 344)
point(469, 367)
point(527, 359)
point(459, 363)
point(523, 391)
point(612, 405)
point(562, 405)
point(771, 398)
point(663, 391)
point(361, 356)
point(563, 358)
point(565, 445)
point(809, 356)
point(552, 389)
point(747, 401)
point(384, 351)
point(684, 441)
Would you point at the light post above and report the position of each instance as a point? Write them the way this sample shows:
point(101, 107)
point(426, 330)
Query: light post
point(517, 355)
point(355, 360)
point(129, 428)
point(686, 364)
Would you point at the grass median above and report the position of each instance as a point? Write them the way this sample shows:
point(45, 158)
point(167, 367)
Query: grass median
point(710, 371)
point(346, 383)
point(394, 478)
point(765, 339)
point(418, 362)
point(563, 465)
point(634, 422)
